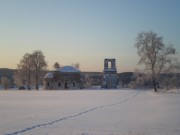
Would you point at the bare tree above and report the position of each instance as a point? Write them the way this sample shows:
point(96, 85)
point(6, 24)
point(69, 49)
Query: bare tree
point(76, 65)
point(154, 55)
point(31, 65)
point(38, 64)
point(26, 68)
point(56, 65)
point(5, 82)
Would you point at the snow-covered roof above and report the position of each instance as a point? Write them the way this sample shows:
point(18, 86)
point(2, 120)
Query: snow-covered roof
point(49, 75)
point(68, 69)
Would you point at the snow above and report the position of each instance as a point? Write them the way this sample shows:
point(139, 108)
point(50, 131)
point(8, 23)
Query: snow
point(89, 112)
point(49, 75)
point(68, 69)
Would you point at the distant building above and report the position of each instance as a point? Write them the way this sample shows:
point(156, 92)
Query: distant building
point(67, 77)
point(109, 74)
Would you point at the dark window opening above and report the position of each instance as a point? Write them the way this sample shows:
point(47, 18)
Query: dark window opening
point(59, 84)
point(74, 84)
point(66, 85)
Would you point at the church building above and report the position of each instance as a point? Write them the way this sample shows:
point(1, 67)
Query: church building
point(66, 77)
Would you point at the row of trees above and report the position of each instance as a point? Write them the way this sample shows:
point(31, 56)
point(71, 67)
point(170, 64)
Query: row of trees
point(30, 69)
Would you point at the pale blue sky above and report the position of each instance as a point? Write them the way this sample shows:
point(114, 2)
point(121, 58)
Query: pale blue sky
point(84, 31)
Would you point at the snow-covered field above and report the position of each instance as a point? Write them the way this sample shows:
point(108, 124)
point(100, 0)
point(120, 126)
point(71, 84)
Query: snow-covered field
point(89, 112)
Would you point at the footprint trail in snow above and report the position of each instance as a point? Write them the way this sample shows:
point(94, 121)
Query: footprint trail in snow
point(71, 116)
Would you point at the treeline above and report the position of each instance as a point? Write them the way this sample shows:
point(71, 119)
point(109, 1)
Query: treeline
point(125, 79)
point(165, 81)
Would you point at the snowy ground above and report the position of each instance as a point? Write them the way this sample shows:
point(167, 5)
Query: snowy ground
point(89, 112)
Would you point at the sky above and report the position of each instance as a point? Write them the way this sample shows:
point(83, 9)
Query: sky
point(84, 31)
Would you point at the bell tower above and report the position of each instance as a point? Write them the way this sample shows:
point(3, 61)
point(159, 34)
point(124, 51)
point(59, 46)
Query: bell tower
point(110, 74)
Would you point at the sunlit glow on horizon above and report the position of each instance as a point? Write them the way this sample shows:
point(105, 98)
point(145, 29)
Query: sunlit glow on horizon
point(83, 31)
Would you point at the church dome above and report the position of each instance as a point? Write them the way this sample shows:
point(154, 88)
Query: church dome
point(49, 75)
point(68, 69)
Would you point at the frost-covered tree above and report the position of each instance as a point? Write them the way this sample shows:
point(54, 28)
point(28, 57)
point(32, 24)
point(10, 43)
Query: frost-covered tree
point(5, 82)
point(77, 65)
point(154, 55)
point(56, 65)
point(30, 69)
point(25, 69)
point(38, 64)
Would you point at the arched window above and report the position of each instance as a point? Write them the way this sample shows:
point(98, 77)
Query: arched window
point(109, 64)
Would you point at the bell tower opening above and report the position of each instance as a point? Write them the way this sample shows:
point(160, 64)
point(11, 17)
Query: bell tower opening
point(109, 64)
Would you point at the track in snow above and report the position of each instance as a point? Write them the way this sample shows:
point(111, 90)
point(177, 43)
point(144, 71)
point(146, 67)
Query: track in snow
point(71, 116)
